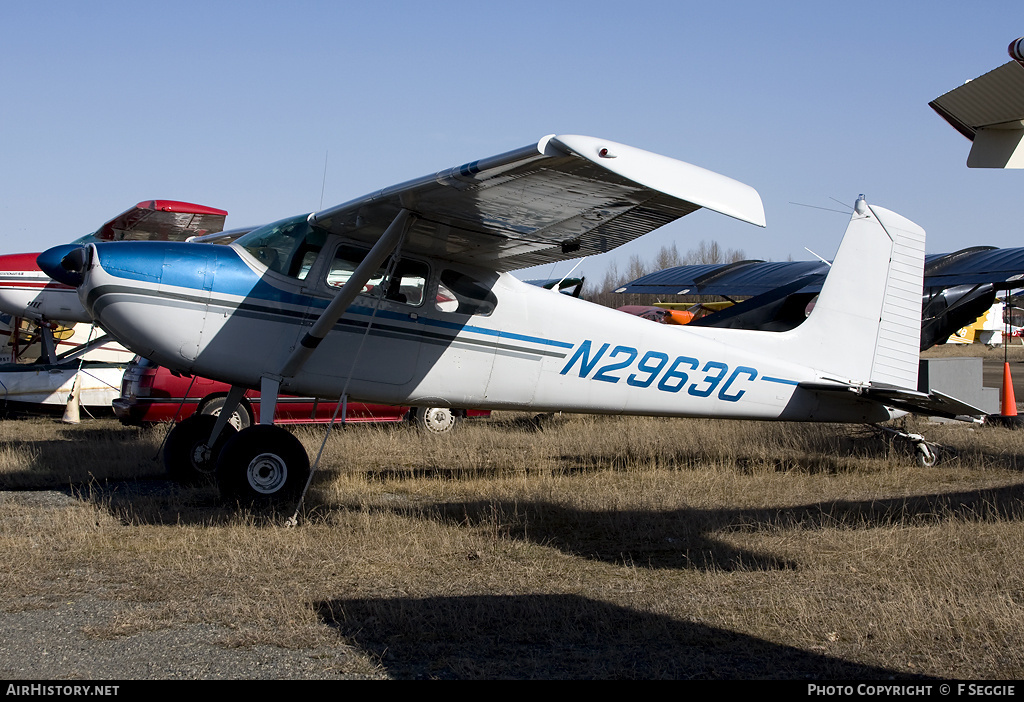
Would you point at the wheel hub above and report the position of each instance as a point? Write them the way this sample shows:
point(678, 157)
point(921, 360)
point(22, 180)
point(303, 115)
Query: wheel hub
point(201, 458)
point(439, 419)
point(267, 473)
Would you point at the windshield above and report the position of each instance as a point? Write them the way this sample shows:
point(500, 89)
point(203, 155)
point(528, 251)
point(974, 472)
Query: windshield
point(288, 247)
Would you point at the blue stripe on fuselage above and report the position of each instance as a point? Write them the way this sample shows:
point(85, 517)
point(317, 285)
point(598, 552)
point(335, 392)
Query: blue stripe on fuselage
point(135, 260)
point(783, 381)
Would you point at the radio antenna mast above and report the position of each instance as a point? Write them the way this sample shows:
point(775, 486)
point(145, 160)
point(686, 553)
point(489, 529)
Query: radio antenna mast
point(324, 183)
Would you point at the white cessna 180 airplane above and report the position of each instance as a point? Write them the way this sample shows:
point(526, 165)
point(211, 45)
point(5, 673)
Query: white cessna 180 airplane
point(404, 297)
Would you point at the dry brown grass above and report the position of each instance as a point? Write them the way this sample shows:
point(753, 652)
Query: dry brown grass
point(596, 547)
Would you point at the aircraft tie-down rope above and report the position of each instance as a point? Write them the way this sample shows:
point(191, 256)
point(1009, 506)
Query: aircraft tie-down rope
point(173, 421)
point(381, 287)
point(81, 361)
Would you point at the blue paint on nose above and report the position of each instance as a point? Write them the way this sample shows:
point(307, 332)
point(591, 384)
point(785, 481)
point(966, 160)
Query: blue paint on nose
point(65, 263)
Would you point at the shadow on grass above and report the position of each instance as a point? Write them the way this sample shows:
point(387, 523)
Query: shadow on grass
point(563, 637)
point(670, 539)
point(687, 538)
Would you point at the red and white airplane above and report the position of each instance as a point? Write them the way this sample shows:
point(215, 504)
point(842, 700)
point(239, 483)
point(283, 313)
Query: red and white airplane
point(26, 293)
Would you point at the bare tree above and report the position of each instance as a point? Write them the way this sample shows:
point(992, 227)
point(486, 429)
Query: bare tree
point(666, 257)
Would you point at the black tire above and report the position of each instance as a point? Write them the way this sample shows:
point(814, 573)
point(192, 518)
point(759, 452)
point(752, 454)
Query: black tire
point(435, 420)
point(187, 459)
point(240, 418)
point(262, 464)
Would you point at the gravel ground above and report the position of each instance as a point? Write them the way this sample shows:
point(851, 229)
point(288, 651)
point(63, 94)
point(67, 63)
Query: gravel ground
point(51, 643)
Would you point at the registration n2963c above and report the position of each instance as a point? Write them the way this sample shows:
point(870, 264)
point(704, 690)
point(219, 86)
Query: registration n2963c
point(624, 363)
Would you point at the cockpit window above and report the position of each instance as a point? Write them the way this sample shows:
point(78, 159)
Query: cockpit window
point(407, 283)
point(288, 247)
point(463, 294)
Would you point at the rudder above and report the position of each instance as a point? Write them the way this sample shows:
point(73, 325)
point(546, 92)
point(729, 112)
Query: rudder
point(866, 324)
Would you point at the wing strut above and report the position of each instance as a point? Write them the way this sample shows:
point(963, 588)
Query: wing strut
point(385, 245)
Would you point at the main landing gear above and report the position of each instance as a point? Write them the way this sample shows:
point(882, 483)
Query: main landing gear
point(261, 464)
point(187, 457)
point(265, 463)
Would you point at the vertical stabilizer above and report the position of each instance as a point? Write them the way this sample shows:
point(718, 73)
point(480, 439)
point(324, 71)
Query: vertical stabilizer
point(866, 323)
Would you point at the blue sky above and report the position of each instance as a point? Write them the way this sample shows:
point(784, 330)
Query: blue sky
point(238, 105)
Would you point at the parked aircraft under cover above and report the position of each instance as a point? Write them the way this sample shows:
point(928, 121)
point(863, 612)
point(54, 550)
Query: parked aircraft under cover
point(957, 288)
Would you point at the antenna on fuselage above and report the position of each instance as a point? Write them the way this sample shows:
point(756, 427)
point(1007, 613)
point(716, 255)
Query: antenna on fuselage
point(827, 209)
point(323, 184)
point(825, 261)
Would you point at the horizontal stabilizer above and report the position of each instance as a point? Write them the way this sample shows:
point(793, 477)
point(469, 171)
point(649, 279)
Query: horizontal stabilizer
point(932, 404)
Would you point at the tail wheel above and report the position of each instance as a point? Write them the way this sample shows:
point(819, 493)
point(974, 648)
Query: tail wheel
point(187, 458)
point(435, 420)
point(926, 455)
point(262, 464)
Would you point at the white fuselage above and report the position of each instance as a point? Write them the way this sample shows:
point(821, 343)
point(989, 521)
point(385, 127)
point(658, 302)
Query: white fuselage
point(536, 350)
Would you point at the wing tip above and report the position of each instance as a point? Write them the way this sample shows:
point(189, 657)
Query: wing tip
point(679, 179)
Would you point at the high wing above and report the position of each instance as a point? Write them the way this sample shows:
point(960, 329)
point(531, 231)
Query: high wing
point(989, 111)
point(1003, 268)
point(564, 197)
point(162, 220)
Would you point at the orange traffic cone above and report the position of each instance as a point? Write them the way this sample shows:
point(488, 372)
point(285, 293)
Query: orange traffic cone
point(1008, 404)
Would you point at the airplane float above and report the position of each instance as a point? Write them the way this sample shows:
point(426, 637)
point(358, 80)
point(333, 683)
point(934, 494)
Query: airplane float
point(404, 297)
